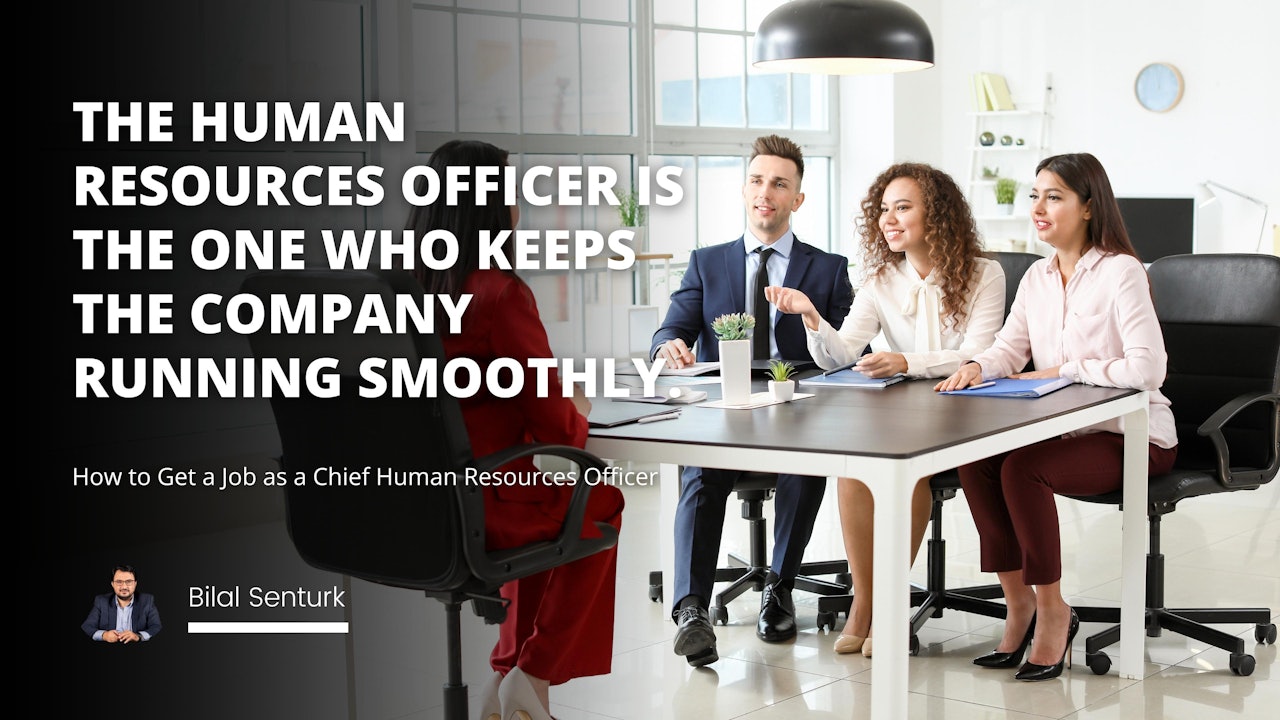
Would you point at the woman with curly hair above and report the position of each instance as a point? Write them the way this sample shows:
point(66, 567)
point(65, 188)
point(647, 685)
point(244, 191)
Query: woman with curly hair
point(935, 301)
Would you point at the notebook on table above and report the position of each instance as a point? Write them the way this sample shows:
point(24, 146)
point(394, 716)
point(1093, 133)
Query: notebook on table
point(851, 378)
point(607, 414)
point(1014, 388)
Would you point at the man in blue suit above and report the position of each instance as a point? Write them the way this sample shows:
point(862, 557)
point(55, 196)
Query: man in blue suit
point(725, 279)
point(123, 615)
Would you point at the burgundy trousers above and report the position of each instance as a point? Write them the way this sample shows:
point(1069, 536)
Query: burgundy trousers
point(559, 624)
point(1011, 497)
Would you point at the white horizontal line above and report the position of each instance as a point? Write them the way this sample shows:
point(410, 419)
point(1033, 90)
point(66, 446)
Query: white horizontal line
point(291, 628)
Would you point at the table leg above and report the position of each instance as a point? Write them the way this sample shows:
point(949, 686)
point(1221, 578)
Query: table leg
point(890, 598)
point(1133, 573)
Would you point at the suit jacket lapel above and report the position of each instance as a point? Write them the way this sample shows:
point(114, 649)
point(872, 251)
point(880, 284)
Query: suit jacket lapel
point(735, 267)
point(798, 265)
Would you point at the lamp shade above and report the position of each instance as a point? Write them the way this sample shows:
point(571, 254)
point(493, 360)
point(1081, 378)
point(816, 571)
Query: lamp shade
point(843, 37)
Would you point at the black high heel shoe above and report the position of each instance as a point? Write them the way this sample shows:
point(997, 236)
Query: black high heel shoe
point(999, 659)
point(1033, 672)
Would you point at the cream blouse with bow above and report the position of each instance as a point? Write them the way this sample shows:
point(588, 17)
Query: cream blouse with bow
point(898, 311)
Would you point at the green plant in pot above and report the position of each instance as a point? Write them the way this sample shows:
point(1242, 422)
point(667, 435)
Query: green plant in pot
point(781, 386)
point(733, 326)
point(734, 334)
point(1006, 188)
point(632, 215)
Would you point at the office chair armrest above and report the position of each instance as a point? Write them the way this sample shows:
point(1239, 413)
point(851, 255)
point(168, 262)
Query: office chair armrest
point(1212, 429)
point(569, 544)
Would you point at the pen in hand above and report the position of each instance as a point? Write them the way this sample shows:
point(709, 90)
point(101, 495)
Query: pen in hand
point(846, 366)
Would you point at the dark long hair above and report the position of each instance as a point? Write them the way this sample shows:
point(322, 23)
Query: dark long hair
point(950, 232)
point(465, 220)
point(1084, 175)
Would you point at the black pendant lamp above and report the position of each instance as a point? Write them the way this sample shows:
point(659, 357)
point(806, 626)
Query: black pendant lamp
point(843, 37)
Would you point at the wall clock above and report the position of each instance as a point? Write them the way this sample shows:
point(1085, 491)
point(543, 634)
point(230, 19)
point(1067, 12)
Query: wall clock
point(1158, 87)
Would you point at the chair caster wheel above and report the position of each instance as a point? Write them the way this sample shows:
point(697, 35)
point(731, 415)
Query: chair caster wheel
point(1099, 663)
point(655, 593)
point(1265, 634)
point(1241, 664)
point(913, 646)
point(826, 621)
point(718, 615)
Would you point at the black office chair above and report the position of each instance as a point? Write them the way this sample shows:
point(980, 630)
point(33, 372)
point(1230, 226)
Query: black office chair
point(428, 538)
point(1221, 320)
point(749, 573)
point(935, 597)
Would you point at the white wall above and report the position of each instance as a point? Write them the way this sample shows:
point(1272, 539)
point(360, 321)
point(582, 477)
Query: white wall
point(1224, 129)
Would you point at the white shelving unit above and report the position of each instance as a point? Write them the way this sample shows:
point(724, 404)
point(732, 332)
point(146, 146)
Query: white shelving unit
point(1031, 127)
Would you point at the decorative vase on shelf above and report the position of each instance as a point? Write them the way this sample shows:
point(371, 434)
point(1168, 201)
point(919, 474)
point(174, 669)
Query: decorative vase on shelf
point(735, 371)
point(782, 391)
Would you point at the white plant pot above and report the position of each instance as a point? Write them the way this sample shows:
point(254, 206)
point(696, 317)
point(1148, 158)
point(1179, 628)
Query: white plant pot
point(735, 371)
point(1004, 208)
point(782, 391)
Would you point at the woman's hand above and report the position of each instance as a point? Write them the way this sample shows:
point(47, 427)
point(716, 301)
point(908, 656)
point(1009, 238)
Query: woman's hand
point(882, 364)
point(1052, 372)
point(793, 302)
point(580, 402)
point(968, 374)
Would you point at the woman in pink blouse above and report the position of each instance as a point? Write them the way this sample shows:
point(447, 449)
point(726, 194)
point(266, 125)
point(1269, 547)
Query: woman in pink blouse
point(1085, 314)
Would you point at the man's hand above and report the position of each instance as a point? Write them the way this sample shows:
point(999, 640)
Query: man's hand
point(129, 636)
point(111, 636)
point(675, 352)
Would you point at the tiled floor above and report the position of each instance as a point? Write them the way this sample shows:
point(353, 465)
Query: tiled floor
point(1222, 550)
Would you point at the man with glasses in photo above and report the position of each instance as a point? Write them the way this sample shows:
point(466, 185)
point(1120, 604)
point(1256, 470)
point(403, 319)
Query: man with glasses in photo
point(123, 615)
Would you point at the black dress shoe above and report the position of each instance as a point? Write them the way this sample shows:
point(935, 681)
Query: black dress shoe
point(695, 639)
point(999, 659)
point(1032, 672)
point(777, 614)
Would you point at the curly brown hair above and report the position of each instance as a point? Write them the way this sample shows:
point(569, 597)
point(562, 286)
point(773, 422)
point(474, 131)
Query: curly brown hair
point(949, 230)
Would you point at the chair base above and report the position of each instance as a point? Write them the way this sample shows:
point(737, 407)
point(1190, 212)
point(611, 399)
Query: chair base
point(1188, 622)
point(742, 577)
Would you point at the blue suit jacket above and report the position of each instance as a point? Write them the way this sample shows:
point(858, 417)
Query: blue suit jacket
point(715, 284)
point(146, 618)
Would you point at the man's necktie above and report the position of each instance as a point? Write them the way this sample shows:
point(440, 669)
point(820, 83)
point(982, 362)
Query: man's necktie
point(764, 329)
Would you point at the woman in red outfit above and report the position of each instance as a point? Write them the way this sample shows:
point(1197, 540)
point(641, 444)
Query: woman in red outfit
point(560, 622)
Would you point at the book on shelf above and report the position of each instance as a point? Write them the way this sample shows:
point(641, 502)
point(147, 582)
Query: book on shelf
point(997, 92)
point(978, 94)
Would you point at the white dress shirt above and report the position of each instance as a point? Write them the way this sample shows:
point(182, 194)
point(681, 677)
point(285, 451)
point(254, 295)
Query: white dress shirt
point(903, 313)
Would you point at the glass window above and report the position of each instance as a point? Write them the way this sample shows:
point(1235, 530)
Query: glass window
point(488, 77)
point(720, 79)
point(674, 73)
point(434, 79)
point(606, 80)
point(563, 8)
point(674, 12)
point(549, 70)
point(724, 14)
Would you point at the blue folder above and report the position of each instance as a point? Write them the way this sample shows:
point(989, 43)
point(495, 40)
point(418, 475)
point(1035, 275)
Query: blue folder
point(1015, 388)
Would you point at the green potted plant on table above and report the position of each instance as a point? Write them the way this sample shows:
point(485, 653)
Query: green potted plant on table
point(632, 215)
point(781, 386)
point(733, 331)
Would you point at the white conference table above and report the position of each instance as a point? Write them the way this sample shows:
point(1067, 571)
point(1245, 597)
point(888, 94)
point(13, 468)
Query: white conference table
point(888, 439)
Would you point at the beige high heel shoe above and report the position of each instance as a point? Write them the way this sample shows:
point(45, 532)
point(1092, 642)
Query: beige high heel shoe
point(848, 644)
point(519, 702)
point(490, 708)
point(866, 648)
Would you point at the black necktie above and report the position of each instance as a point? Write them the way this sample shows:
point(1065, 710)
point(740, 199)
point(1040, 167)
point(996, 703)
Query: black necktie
point(760, 340)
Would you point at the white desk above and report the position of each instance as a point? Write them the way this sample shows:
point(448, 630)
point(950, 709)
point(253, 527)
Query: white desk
point(888, 439)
